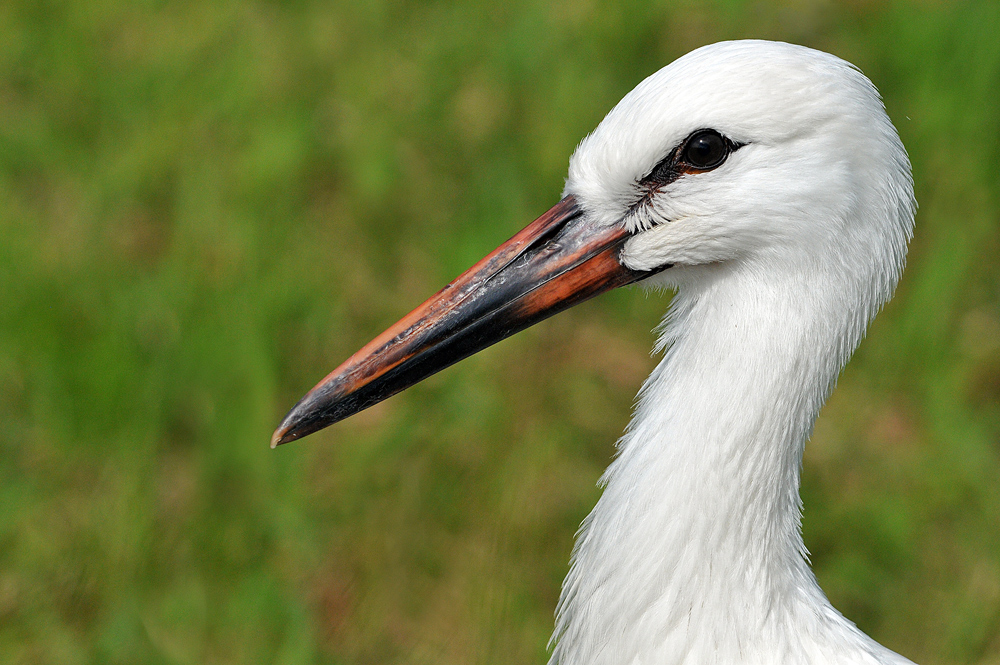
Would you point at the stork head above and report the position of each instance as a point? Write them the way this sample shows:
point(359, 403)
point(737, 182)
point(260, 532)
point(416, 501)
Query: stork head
point(750, 153)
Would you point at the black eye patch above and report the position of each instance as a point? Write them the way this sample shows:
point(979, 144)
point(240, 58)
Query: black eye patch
point(703, 150)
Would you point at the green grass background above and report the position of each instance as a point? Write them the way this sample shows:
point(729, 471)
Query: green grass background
point(206, 206)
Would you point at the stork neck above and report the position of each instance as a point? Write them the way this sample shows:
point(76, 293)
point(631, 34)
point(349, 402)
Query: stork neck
point(694, 552)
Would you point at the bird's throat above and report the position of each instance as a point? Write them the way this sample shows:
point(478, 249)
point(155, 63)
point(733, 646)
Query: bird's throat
point(694, 552)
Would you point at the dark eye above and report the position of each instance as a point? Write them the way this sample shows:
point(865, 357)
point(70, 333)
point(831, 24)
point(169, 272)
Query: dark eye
point(706, 149)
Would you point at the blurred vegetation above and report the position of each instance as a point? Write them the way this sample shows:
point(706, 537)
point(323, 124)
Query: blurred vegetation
point(204, 207)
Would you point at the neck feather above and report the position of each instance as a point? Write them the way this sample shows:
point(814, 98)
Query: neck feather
point(694, 552)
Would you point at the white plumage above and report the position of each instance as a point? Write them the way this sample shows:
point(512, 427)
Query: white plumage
point(781, 257)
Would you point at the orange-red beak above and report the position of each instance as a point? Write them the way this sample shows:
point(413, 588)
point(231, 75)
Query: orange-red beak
point(557, 261)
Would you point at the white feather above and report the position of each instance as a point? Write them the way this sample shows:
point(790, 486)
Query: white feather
point(781, 257)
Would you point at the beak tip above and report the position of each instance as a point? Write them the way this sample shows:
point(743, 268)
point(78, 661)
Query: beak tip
point(305, 418)
point(287, 431)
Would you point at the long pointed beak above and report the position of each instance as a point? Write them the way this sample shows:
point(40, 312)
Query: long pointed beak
point(557, 261)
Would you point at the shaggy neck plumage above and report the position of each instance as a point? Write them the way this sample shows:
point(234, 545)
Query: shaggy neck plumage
point(694, 553)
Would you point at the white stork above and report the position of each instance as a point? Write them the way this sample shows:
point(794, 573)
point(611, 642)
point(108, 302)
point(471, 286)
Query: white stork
point(765, 183)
